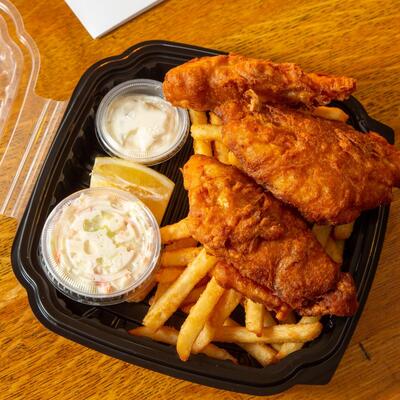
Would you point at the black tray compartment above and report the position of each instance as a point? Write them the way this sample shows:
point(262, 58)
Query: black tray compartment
point(67, 169)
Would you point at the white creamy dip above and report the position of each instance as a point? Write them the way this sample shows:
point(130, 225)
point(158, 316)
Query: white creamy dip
point(142, 124)
point(102, 243)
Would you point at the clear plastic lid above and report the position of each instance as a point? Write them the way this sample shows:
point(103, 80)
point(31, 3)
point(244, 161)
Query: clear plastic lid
point(27, 122)
point(100, 246)
point(136, 90)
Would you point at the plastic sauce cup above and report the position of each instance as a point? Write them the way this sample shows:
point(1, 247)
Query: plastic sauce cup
point(147, 88)
point(101, 246)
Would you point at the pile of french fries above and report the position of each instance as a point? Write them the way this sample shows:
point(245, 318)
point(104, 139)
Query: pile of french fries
point(184, 283)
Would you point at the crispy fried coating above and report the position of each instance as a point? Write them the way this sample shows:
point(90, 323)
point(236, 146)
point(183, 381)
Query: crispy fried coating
point(204, 83)
point(326, 169)
point(229, 277)
point(264, 240)
point(341, 301)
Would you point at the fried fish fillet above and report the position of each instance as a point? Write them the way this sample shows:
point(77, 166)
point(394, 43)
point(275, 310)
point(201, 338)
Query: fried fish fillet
point(266, 250)
point(326, 169)
point(204, 83)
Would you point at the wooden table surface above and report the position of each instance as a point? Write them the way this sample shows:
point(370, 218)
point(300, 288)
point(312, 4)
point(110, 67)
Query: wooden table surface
point(356, 38)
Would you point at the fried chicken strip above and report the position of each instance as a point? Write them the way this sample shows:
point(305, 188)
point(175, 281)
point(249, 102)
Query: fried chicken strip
point(273, 250)
point(326, 169)
point(204, 83)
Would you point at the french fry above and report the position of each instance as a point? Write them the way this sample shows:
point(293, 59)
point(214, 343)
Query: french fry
point(321, 233)
point(273, 334)
point(340, 247)
point(334, 249)
point(270, 321)
point(169, 335)
point(283, 312)
point(214, 119)
point(179, 257)
point(181, 244)
point(194, 295)
point(232, 159)
point(170, 233)
point(202, 147)
point(161, 289)
point(309, 320)
point(170, 301)
point(343, 232)
point(276, 346)
point(254, 316)
point(289, 319)
point(332, 113)
point(290, 347)
point(226, 304)
point(206, 132)
point(165, 334)
point(168, 275)
point(198, 117)
point(263, 353)
point(197, 317)
point(221, 152)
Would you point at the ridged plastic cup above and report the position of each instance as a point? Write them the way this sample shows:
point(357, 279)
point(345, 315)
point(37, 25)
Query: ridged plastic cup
point(147, 87)
point(82, 289)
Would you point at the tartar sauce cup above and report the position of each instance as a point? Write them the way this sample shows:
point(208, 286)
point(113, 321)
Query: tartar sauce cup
point(101, 246)
point(136, 123)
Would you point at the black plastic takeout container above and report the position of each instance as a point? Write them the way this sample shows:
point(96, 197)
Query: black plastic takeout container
point(67, 169)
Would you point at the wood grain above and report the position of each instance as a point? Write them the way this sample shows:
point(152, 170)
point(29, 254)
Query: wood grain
point(360, 39)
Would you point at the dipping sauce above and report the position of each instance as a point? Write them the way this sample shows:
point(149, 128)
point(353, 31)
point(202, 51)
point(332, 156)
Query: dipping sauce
point(142, 123)
point(100, 242)
point(136, 123)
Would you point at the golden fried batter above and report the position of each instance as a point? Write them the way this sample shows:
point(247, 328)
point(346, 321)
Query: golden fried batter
point(229, 277)
point(204, 83)
point(326, 169)
point(341, 301)
point(264, 240)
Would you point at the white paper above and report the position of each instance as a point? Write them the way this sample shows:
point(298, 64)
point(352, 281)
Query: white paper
point(102, 16)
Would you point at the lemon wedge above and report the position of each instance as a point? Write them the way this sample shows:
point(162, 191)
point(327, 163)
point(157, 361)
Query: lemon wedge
point(151, 187)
